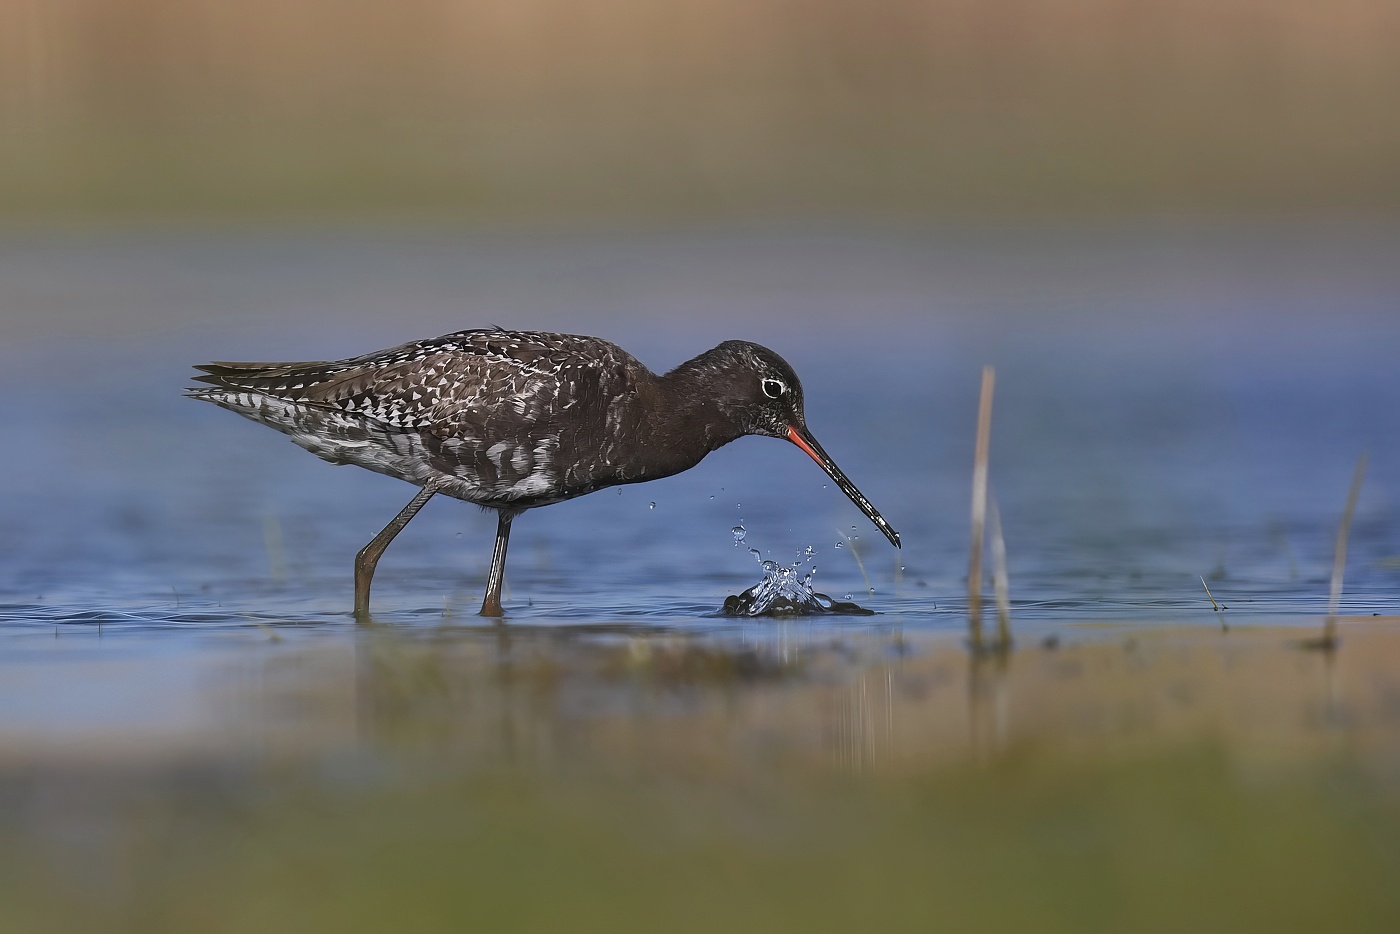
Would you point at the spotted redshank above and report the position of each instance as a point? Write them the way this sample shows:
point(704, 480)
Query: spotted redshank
point(511, 420)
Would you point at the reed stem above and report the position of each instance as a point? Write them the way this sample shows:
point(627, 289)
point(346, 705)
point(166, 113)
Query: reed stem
point(979, 506)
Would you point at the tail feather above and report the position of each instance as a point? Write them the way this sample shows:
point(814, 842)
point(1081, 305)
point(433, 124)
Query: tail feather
point(282, 380)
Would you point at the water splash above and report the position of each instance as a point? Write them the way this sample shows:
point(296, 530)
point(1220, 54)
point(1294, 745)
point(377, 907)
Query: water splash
point(786, 590)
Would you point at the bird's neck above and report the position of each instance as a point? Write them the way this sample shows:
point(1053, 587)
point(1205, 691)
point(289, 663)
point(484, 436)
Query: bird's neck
point(683, 418)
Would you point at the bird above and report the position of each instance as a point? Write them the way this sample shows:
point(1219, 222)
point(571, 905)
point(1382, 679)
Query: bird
point(511, 420)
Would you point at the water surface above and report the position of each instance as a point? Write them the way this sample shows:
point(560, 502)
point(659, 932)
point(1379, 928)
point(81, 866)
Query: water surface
point(189, 716)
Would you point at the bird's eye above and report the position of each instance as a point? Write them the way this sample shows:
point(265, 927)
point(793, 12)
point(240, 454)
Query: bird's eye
point(773, 388)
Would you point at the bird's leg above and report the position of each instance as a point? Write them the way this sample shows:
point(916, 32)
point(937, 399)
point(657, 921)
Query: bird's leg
point(491, 606)
point(368, 557)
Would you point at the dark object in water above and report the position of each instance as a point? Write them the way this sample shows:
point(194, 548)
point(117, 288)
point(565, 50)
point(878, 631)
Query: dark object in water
point(511, 420)
point(751, 603)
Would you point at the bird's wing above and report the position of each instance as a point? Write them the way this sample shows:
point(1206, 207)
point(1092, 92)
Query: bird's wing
point(488, 405)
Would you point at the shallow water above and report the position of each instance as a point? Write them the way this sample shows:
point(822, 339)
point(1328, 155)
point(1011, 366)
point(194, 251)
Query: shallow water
point(1172, 403)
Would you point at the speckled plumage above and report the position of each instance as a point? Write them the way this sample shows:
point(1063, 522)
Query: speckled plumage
point(507, 419)
point(511, 420)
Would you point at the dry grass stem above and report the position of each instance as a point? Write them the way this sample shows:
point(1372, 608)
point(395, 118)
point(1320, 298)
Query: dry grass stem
point(1213, 605)
point(1339, 562)
point(979, 506)
point(999, 576)
point(1216, 606)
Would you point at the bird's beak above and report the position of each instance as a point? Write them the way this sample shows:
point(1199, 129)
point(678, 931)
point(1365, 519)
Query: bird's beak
point(801, 437)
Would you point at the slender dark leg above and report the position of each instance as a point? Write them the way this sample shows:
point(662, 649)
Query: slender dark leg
point(491, 606)
point(368, 557)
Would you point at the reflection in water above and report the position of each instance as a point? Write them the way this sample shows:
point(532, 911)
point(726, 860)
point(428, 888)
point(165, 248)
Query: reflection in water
point(531, 698)
point(989, 702)
point(635, 771)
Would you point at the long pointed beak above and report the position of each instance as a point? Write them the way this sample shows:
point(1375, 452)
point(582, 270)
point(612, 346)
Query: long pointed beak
point(803, 439)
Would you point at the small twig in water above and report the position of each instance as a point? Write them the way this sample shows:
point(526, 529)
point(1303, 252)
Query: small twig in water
point(1213, 605)
point(1216, 606)
point(979, 506)
point(999, 578)
point(1339, 562)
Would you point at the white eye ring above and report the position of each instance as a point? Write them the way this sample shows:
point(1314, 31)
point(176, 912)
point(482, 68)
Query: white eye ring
point(773, 388)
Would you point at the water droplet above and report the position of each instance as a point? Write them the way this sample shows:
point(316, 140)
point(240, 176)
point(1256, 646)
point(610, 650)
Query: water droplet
point(808, 551)
point(651, 505)
point(740, 533)
point(712, 497)
point(459, 534)
point(839, 545)
point(849, 597)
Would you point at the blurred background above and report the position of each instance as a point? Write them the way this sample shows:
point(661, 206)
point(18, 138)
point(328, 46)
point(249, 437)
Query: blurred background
point(618, 110)
point(1170, 224)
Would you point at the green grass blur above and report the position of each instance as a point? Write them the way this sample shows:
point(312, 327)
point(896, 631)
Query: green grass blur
point(1169, 842)
point(550, 110)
